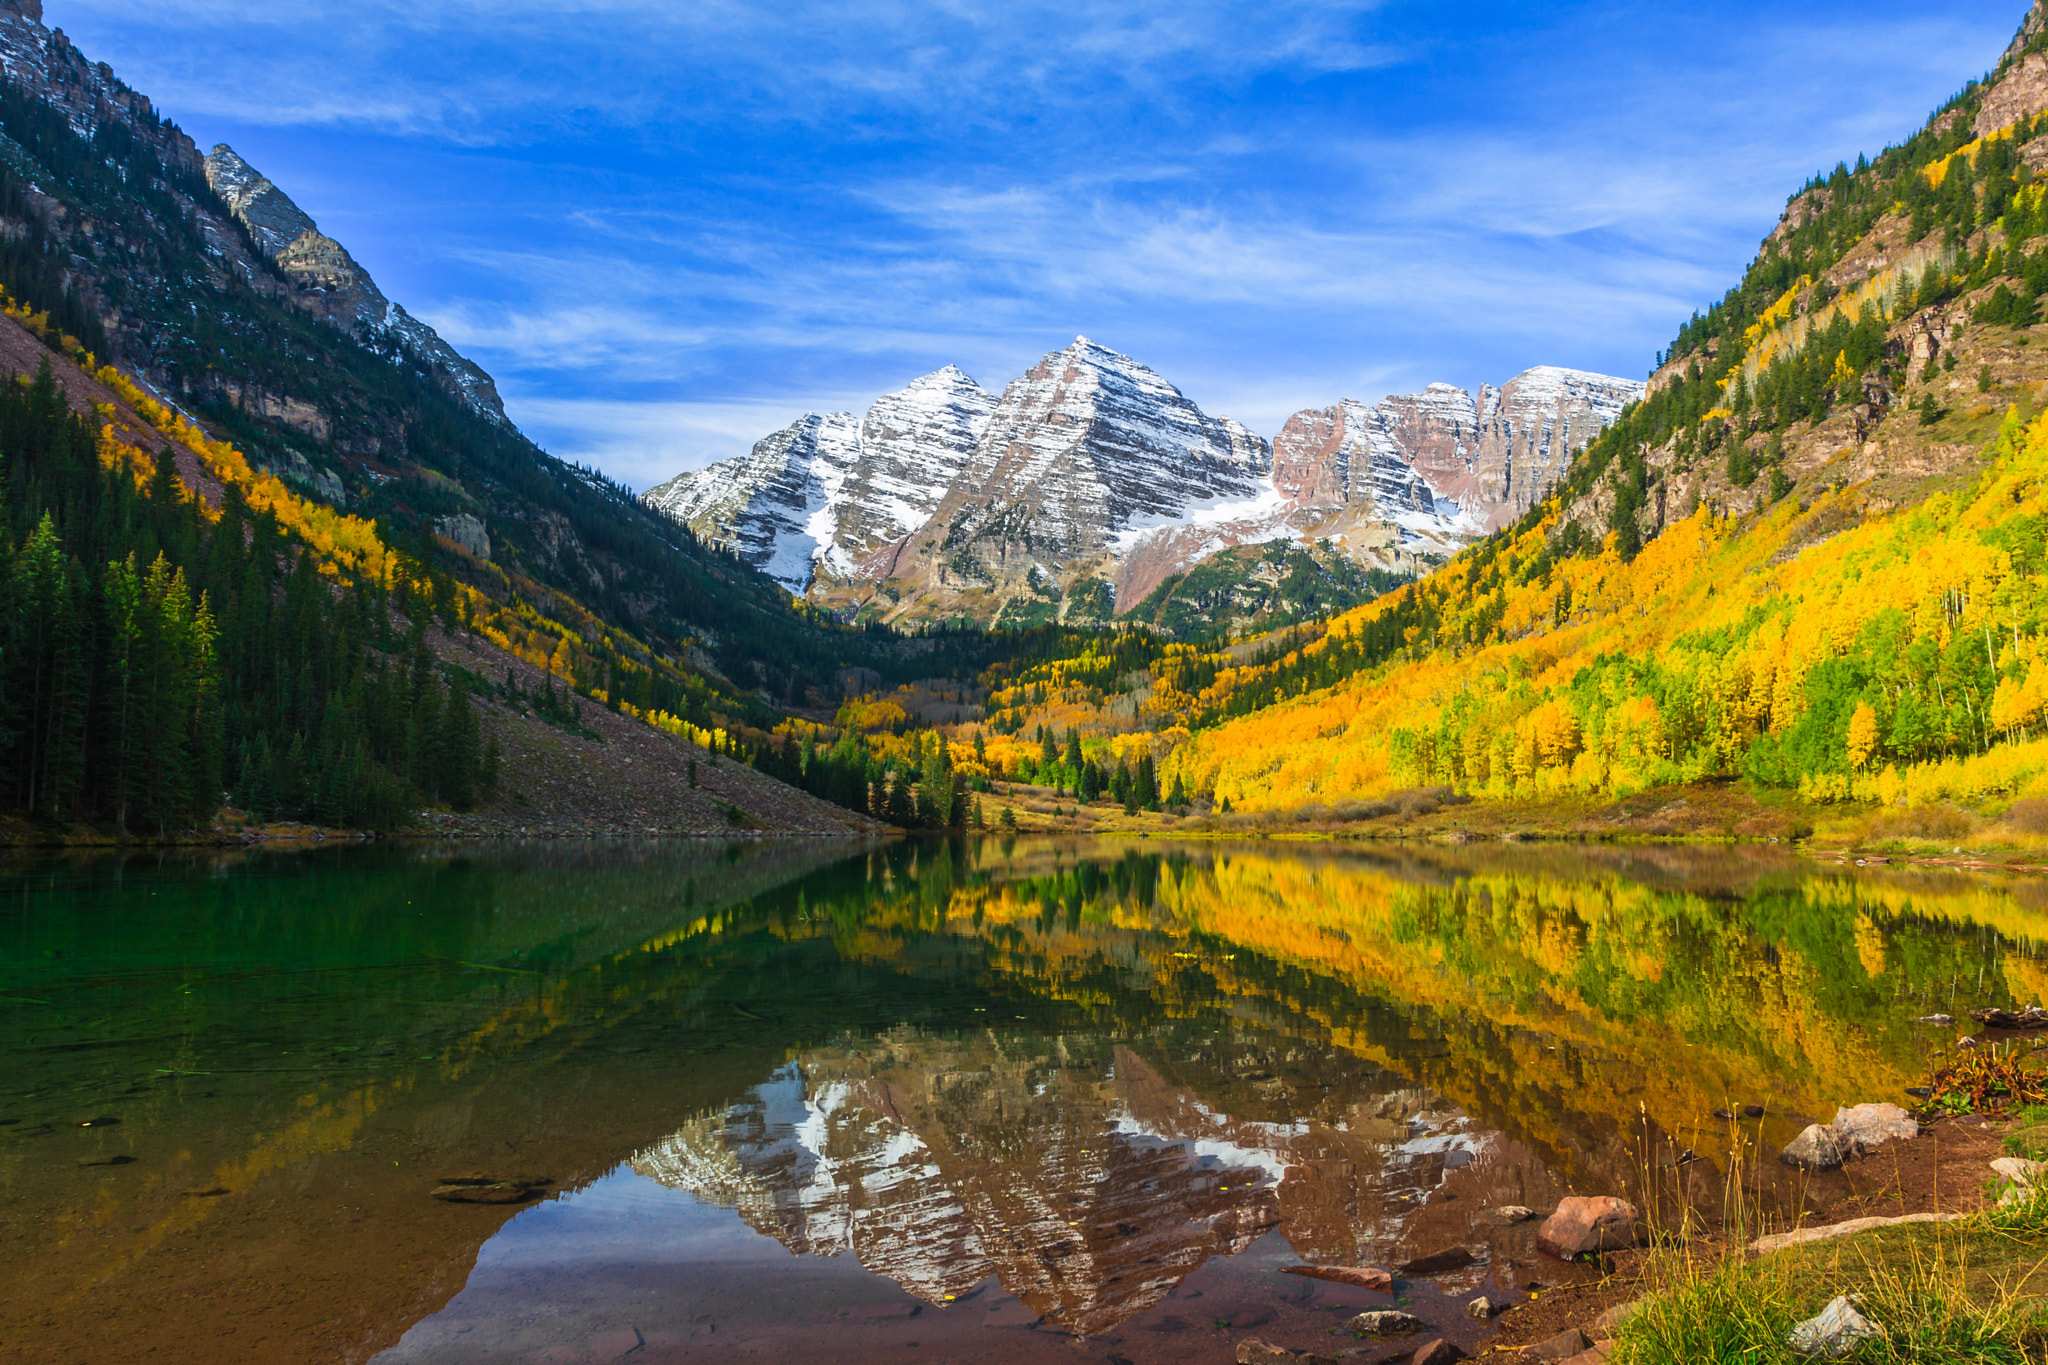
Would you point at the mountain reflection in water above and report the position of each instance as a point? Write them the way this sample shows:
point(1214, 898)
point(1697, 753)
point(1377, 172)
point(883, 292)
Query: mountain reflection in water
point(1054, 1088)
point(1069, 1168)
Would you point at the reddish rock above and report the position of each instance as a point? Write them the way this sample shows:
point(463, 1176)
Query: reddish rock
point(1438, 1352)
point(1582, 1225)
point(1438, 1263)
point(1566, 1344)
point(1365, 1277)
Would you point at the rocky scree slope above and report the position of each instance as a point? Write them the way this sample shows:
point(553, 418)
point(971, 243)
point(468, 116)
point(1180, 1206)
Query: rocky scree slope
point(206, 282)
point(1093, 487)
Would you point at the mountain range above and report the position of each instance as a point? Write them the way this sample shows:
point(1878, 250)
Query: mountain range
point(1091, 485)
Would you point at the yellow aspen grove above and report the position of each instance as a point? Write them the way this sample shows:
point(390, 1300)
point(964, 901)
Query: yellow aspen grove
point(1863, 735)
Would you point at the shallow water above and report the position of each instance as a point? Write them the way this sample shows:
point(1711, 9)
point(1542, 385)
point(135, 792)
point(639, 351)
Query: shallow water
point(1000, 1101)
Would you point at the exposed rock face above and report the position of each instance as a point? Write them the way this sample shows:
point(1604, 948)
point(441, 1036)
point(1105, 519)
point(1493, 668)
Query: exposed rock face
point(466, 531)
point(330, 282)
point(2021, 93)
point(1086, 451)
point(773, 506)
point(1093, 481)
point(1490, 457)
point(819, 498)
point(1541, 417)
point(1363, 460)
point(1413, 476)
point(914, 443)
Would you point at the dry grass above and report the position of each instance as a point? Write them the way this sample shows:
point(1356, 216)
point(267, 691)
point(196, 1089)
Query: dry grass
point(1940, 822)
point(2028, 815)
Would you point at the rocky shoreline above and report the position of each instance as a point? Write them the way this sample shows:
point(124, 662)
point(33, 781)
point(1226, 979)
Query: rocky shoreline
point(1605, 1254)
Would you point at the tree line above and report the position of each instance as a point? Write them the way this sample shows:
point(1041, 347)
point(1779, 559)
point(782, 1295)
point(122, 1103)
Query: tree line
point(155, 658)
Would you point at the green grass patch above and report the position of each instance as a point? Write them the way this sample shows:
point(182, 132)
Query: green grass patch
point(1939, 1294)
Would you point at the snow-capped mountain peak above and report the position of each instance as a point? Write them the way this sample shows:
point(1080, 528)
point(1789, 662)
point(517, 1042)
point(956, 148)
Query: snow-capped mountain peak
point(818, 498)
point(1092, 479)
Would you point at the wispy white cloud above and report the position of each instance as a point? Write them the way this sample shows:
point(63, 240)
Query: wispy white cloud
point(646, 442)
point(670, 228)
point(414, 68)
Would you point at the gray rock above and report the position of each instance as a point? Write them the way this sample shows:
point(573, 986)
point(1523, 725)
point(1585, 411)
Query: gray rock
point(1506, 1215)
point(1610, 1321)
point(1480, 1309)
point(1388, 1322)
point(466, 531)
point(1815, 1149)
point(1834, 1331)
point(1864, 1128)
point(1938, 1020)
point(2019, 1170)
point(2024, 1178)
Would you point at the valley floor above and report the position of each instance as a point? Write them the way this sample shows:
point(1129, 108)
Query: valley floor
point(1941, 834)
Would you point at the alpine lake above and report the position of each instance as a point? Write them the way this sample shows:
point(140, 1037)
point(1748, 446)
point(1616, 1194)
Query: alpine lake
point(988, 1100)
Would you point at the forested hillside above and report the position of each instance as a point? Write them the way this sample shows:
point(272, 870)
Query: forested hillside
point(1812, 558)
point(237, 539)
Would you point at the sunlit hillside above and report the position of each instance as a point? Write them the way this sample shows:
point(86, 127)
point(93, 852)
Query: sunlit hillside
point(1812, 559)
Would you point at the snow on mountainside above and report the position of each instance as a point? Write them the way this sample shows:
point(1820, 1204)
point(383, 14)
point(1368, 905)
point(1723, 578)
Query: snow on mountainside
point(888, 1161)
point(1087, 450)
point(1093, 481)
point(318, 263)
point(819, 497)
point(1543, 416)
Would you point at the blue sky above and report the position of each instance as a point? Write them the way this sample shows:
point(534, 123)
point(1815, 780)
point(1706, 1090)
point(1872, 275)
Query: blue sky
point(670, 228)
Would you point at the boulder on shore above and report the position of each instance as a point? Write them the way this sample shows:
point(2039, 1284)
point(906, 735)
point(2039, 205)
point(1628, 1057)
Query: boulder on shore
point(1863, 1128)
point(1609, 1322)
point(1566, 1344)
point(1582, 1225)
point(1815, 1149)
point(1388, 1322)
point(1438, 1352)
point(1857, 1131)
point(1834, 1331)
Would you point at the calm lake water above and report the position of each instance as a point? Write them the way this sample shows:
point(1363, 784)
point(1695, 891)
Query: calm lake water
point(985, 1100)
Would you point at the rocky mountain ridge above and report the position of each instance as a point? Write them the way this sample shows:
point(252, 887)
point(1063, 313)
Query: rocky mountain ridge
point(203, 282)
point(818, 499)
point(329, 281)
point(1093, 484)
